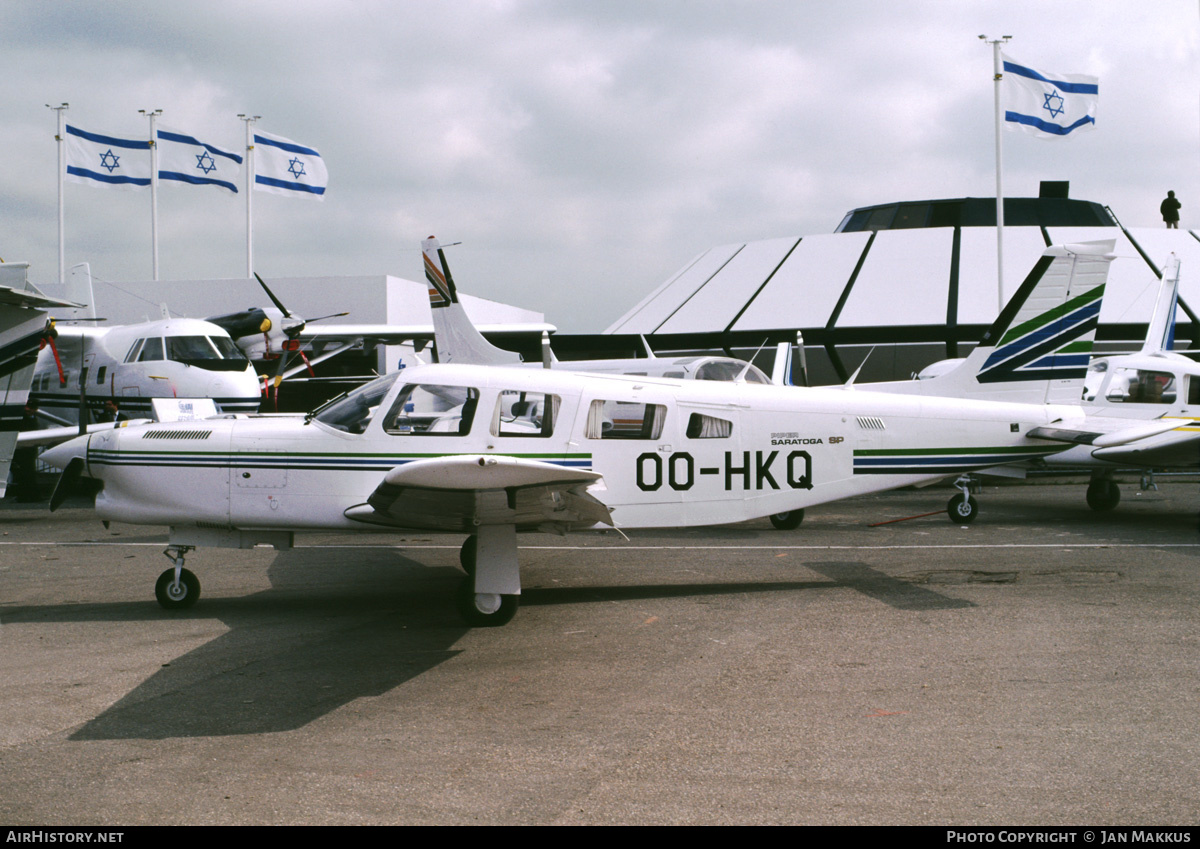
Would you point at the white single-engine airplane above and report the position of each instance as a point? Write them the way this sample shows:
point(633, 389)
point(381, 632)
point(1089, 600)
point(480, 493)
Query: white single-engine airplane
point(493, 450)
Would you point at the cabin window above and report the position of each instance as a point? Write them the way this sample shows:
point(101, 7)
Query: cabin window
point(432, 410)
point(1193, 395)
point(625, 420)
point(525, 414)
point(1140, 386)
point(100, 375)
point(701, 426)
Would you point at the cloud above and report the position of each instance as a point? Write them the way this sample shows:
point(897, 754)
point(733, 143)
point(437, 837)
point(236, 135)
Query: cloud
point(583, 152)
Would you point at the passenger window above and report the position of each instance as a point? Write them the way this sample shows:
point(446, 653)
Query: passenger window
point(625, 420)
point(429, 410)
point(100, 373)
point(701, 426)
point(525, 414)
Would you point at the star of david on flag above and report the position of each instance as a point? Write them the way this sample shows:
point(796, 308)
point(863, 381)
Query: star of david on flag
point(1048, 105)
point(187, 160)
point(283, 167)
point(100, 160)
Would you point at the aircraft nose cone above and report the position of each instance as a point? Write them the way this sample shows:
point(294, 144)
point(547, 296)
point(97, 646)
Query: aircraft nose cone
point(63, 453)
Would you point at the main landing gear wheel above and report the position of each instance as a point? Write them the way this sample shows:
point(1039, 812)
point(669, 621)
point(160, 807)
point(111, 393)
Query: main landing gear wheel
point(174, 596)
point(962, 509)
point(787, 521)
point(485, 610)
point(1103, 495)
point(467, 554)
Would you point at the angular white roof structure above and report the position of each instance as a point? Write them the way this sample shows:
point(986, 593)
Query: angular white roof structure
point(913, 273)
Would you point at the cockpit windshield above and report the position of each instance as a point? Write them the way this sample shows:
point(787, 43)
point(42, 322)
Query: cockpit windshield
point(352, 413)
point(214, 353)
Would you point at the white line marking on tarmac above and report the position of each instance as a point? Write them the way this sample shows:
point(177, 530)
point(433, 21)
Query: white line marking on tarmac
point(619, 547)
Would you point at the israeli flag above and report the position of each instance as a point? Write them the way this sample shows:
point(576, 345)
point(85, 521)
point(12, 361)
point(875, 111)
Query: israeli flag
point(185, 159)
point(107, 161)
point(283, 167)
point(1048, 105)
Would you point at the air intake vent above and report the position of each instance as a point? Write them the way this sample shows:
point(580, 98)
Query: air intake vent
point(871, 423)
point(177, 434)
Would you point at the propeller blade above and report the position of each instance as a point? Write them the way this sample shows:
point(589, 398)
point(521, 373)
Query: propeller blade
point(278, 303)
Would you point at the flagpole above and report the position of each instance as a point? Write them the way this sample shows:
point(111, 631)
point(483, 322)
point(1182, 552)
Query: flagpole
point(153, 190)
point(60, 141)
point(249, 119)
point(997, 77)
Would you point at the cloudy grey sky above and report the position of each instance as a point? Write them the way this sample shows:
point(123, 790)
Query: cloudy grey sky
point(581, 151)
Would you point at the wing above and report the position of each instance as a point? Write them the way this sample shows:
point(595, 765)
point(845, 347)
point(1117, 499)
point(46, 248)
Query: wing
point(1179, 448)
point(1162, 443)
point(459, 493)
point(395, 334)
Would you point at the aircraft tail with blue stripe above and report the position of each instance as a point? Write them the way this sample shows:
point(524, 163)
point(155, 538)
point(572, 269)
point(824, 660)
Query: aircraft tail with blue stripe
point(1038, 349)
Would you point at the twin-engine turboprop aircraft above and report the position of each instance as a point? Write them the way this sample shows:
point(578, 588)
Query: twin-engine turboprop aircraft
point(493, 450)
point(103, 371)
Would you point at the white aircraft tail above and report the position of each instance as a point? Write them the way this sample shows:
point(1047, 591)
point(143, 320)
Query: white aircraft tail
point(79, 289)
point(1160, 332)
point(1038, 349)
point(455, 337)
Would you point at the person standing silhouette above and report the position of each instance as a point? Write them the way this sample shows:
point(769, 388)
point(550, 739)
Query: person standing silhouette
point(1170, 211)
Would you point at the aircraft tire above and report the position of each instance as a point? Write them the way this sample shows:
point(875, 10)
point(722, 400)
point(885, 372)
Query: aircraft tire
point(962, 510)
point(467, 554)
point(485, 610)
point(788, 521)
point(1103, 495)
point(177, 598)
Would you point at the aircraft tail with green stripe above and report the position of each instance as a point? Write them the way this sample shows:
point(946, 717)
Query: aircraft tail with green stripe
point(1038, 349)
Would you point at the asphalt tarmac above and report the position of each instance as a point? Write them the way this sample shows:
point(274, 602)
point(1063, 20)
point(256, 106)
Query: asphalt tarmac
point(1038, 667)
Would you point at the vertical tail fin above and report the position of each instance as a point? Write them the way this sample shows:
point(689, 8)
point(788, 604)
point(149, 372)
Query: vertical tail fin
point(1160, 332)
point(1038, 349)
point(79, 289)
point(455, 336)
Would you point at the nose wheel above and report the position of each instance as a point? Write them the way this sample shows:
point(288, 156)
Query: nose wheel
point(177, 588)
point(963, 508)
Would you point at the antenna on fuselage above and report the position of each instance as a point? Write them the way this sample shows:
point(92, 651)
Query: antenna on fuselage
point(850, 383)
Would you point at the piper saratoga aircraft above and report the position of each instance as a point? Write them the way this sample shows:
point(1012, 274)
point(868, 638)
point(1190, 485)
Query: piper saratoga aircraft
point(493, 450)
